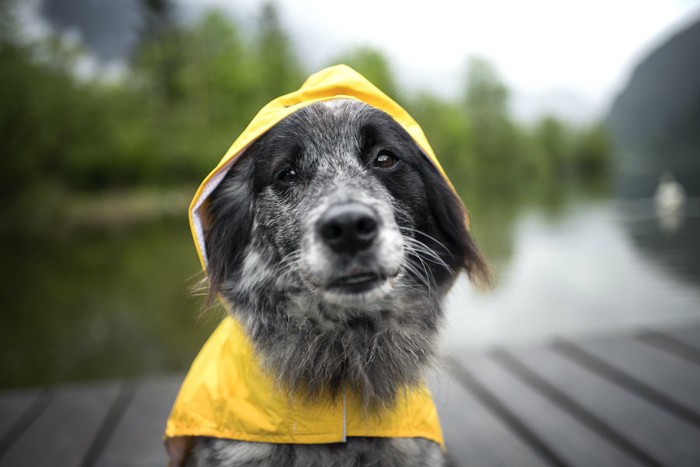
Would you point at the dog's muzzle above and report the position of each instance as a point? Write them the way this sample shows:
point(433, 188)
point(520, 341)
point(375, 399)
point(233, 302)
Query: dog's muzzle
point(351, 253)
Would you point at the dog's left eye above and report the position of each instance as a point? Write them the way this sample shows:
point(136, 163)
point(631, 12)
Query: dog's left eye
point(288, 175)
point(385, 160)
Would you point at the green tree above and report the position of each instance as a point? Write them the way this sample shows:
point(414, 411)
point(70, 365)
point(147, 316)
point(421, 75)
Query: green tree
point(159, 55)
point(219, 74)
point(494, 136)
point(486, 96)
point(279, 70)
point(221, 85)
point(554, 142)
point(447, 128)
point(54, 127)
point(592, 151)
point(8, 22)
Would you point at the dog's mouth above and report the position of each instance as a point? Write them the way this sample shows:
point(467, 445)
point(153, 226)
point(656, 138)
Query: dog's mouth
point(357, 288)
point(356, 283)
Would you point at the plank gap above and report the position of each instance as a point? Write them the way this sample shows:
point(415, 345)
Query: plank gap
point(576, 354)
point(559, 398)
point(104, 432)
point(670, 345)
point(35, 409)
point(501, 411)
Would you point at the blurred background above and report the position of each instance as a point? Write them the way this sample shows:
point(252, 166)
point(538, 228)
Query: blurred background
point(571, 130)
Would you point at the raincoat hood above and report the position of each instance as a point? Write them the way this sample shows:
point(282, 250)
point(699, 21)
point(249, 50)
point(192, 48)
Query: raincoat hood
point(227, 393)
point(336, 82)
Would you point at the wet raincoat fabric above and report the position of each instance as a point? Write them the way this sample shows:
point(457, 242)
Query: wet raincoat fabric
point(227, 393)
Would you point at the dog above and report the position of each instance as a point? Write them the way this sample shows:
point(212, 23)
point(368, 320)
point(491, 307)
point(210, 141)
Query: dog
point(333, 240)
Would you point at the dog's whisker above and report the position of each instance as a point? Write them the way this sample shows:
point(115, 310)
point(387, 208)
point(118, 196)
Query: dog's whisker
point(288, 266)
point(431, 255)
point(429, 278)
point(288, 261)
point(439, 243)
point(421, 276)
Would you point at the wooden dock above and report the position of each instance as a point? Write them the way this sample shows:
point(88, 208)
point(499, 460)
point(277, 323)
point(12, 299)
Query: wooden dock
point(607, 401)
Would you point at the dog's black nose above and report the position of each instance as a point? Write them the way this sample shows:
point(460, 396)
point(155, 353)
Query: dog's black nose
point(348, 227)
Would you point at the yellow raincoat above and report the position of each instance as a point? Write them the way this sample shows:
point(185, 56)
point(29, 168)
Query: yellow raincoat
point(227, 393)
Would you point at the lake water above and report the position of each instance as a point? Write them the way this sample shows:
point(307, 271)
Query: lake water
point(600, 267)
point(107, 304)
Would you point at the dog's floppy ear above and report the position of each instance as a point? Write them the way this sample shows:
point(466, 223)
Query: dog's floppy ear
point(449, 218)
point(230, 217)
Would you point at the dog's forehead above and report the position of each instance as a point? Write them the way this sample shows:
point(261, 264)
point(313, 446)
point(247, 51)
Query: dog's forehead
point(339, 114)
point(339, 128)
point(323, 125)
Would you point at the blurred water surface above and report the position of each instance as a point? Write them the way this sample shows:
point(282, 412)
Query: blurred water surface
point(111, 303)
point(599, 266)
point(100, 304)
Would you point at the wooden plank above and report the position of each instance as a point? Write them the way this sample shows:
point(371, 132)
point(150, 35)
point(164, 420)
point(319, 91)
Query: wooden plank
point(137, 440)
point(572, 442)
point(671, 345)
point(473, 434)
point(676, 380)
point(688, 335)
point(664, 437)
point(13, 405)
point(62, 434)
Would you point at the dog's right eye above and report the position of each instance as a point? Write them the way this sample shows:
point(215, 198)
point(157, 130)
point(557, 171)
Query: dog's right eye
point(288, 175)
point(385, 160)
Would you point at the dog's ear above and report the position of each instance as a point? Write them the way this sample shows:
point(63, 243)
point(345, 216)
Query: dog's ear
point(230, 215)
point(448, 222)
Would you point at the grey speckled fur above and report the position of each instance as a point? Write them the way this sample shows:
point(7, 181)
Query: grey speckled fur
point(267, 260)
point(357, 452)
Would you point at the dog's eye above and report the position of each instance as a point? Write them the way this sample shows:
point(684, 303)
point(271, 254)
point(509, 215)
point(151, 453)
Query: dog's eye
point(288, 175)
point(384, 160)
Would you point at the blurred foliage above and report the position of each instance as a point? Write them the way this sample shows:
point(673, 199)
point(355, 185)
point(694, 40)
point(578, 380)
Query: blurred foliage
point(190, 89)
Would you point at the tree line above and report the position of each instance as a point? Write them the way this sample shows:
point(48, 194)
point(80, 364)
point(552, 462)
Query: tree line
point(190, 88)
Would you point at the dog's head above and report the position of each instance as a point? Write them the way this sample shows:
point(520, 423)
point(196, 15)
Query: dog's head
point(335, 224)
point(340, 200)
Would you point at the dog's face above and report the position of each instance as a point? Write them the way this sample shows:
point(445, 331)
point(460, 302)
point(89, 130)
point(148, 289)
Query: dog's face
point(324, 198)
point(334, 219)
